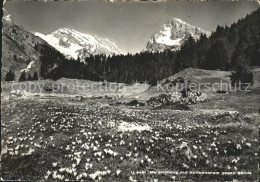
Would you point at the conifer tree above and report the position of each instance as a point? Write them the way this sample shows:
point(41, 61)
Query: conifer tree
point(10, 76)
point(22, 77)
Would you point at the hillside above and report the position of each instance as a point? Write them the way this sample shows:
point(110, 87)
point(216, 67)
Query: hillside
point(23, 51)
point(18, 48)
point(199, 75)
point(206, 81)
point(210, 77)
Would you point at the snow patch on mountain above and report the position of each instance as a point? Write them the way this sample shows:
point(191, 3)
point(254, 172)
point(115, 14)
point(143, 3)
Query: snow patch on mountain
point(8, 18)
point(172, 35)
point(68, 51)
point(28, 67)
point(166, 38)
point(76, 45)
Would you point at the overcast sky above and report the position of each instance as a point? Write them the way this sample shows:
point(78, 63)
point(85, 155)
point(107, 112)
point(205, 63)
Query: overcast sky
point(130, 25)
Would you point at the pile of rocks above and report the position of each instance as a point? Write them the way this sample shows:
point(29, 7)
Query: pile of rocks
point(192, 97)
point(175, 98)
point(17, 93)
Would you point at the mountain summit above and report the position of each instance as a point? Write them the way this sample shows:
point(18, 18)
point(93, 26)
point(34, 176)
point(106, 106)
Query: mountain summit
point(172, 35)
point(74, 44)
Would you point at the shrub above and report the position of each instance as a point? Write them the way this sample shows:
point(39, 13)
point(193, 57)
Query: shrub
point(241, 72)
point(242, 75)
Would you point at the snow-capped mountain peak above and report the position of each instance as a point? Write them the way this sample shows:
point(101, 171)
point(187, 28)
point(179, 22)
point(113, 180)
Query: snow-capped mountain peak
point(75, 44)
point(173, 34)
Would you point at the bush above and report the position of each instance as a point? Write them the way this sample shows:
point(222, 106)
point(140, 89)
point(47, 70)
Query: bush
point(178, 80)
point(241, 75)
point(153, 82)
point(221, 92)
point(135, 103)
point(35, 76)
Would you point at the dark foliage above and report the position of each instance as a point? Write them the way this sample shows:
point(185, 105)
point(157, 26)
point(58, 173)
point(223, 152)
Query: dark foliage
point(35, 76)
point(29, 77)
point(50, 58)
point(22, 77)
point(221, 92)
point(32, 77)
point(10, 76)
point(241, 75)
point(119, 68)
point(135, 103)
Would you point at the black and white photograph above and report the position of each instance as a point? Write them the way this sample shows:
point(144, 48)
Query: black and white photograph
point(129, 90)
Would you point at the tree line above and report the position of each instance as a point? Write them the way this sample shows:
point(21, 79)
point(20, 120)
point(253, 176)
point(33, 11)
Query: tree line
point(10, 76)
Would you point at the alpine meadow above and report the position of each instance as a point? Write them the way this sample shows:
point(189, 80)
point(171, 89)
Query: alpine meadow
point(79, 103)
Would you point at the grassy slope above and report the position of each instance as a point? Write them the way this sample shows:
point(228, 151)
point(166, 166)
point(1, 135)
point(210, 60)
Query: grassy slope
point(200, 75)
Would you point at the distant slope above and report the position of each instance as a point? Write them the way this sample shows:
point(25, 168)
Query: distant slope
point(197, 76)
point(22, 50)
point(201, 76)
point(74, 44)
point(210, 77)
point(200, 80)
point(191, 75)
point(19, 51)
